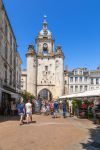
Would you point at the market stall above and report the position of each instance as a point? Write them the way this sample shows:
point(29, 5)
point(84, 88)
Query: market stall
point(85, 104)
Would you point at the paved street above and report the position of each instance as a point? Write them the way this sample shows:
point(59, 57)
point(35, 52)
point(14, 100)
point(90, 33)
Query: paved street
point(47, 134)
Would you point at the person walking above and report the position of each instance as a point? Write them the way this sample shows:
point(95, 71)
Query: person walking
point(95, 109)
point(47, 108)
point(64, 106)
point(21, 110)
point(37, 106)
point(13, 108)
point(70, 107)
point(52, 107)
point(28, 107)
point(43, 107)
point(56, 107)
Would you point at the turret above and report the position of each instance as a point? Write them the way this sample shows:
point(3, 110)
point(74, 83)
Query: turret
point(59, 71)
point(31, 70)
point(59, 52)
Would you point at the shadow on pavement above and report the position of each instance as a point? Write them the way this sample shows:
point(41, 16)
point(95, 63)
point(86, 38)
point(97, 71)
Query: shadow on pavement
point(12, 118)
point(8, 118)
point(93, 142)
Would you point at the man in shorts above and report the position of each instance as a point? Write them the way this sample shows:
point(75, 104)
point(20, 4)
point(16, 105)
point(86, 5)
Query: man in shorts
point(21, 110)
point(28, 107)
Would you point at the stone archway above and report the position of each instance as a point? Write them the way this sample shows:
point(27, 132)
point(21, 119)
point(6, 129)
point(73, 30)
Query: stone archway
point(45, 94)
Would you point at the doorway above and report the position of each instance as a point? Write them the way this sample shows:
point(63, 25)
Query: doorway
point(45, 94)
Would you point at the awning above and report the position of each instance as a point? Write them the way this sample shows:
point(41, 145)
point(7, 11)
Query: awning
point(13, 95)
point(90, 93)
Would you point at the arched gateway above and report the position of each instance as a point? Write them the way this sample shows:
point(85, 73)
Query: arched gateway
point(45, 94)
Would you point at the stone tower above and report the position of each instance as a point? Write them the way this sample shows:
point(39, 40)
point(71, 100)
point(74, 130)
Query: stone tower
point(45, 66)
point(31, 70)
point(59, 71)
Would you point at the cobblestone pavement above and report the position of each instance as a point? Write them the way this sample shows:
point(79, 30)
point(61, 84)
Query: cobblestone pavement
point(48, 134)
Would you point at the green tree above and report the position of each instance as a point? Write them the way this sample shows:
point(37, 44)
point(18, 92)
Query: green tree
point(26, 95)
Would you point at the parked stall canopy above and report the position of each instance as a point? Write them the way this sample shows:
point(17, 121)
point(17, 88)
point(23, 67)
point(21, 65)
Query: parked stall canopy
point(83, 94)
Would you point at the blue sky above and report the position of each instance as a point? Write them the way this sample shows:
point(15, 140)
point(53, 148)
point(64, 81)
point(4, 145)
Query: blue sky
point(75, 25)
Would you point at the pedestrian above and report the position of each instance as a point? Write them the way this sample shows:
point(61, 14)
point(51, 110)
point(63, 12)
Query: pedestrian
point(95, 109)
point(52, 107)
point(64, 107)
point(47, 108)
point(33, 106)
point(21, 110)
point(37, 106)
point(70, 108)
point(43, 107)
point(56, 109)
point(13, 108)
point(28, 107)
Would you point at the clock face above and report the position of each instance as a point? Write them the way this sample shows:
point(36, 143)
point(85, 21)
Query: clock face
point(45, 45)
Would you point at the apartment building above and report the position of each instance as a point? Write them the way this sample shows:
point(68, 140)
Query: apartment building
point(78, 80)
point(10, 61)
point(81, 79)
point(95, 79)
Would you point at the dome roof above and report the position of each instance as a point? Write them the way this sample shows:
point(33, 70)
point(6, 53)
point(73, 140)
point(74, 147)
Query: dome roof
point(45, 32)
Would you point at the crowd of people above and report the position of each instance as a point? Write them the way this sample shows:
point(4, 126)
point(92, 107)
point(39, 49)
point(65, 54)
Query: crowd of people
point(25, 110)
point(54, 108)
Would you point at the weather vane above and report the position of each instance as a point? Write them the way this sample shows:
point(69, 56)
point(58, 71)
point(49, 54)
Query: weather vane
point(45, 16)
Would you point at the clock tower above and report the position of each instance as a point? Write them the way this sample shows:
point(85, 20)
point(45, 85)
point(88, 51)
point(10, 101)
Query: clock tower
point(45, 66)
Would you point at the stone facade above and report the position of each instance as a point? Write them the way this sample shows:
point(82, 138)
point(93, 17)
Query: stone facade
point(9, 69)
point(18, 72)
point(81, 79)
point(24, 80)
point(45, 66)
point(95, 79)
point(66, 82)
point(78, 80)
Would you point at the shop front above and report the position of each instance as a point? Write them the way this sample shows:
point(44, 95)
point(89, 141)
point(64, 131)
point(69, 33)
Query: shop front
point(7, 97)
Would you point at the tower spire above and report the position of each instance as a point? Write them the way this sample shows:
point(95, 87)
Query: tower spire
point(45, 24)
